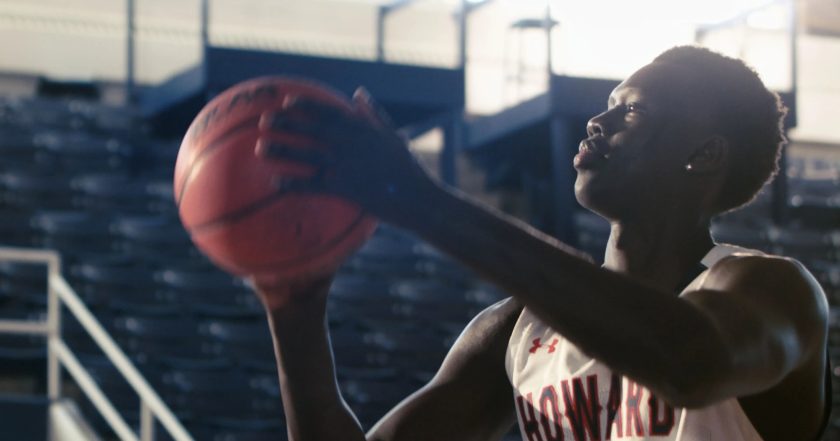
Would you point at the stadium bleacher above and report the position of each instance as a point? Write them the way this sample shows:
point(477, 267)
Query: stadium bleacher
point(85, 179)
point(72, 183)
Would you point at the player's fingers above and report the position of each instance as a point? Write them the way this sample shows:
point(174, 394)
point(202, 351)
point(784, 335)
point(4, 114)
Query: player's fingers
point(315, 110)
point(328, 131)
point(314, 157)
point(289, 185)
point(284, 122)
point(371, 109)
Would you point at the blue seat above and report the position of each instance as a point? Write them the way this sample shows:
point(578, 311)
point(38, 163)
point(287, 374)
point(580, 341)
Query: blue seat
point(258, 358)
point(427, 347)
point(379, 396)
point(82, 152)
point(247, 343)
point(431, 292)
point(239, 429)
point(161, 197)
point(804, 244)
point(275, 432)
point(484, 294)
point(431, 300)
point(388, 248)
point(388, 256)
point(356, 297)
point(173, 328)
point(174, 354)
point(17, 147)
point(745, 235)
point(153, 238)
point(33, 189)
point(827, 272)
point(354, 349)
point(113, 384)
point(210, 292)
point(18, 351)
point(77, 338)
point(51, 114)
point(448, 270)
point(111, 192)
point(233, 405)
point(15, 229)
point(220, 381)
point(168, 341)
point(26, 282)
point(17, 309)
point(122, 287)
point(76, 234)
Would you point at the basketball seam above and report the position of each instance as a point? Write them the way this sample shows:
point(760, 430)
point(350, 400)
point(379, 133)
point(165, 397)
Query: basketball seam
point(259, 266)
point(242, 213)
point(203, 155)
point(236, 215)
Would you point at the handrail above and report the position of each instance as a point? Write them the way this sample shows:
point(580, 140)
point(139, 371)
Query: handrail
point(118, 357)
point(59, 355)
point(93, 391)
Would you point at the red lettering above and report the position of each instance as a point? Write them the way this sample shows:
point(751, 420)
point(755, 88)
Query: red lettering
point(552, 422)
point(634, 399)
point(536, 346)
point(614, 408)
point(583, 410)
point(530, 426)
point(662, 422)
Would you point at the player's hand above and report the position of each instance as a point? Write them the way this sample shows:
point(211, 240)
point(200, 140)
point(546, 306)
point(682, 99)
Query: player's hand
point(363, 159)
point(308, 296)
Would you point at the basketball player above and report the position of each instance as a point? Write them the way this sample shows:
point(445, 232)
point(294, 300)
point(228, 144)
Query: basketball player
point(674, 338)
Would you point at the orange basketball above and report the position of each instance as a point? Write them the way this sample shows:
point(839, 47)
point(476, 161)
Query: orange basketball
point(227, 196)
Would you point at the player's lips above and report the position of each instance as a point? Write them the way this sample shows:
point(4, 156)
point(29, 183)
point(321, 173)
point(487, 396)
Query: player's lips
point(592, 152)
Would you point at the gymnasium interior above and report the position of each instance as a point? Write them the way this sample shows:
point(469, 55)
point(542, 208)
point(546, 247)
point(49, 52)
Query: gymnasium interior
point(113, 326)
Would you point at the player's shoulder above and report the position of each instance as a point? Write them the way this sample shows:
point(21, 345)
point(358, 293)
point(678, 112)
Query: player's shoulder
point(743, 264)
point(490, 330)
point(770, 275)
point(500, 314)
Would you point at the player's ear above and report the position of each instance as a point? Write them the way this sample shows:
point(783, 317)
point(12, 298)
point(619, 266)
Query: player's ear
point(711, 157)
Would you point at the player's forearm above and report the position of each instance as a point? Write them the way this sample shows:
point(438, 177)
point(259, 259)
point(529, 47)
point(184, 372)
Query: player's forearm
point(637, 330)
point(312, 401)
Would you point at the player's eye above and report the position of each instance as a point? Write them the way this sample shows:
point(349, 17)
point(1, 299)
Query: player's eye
point(634, 107)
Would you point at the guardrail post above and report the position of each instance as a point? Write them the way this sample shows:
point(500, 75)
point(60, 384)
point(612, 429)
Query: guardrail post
point(147, 423)
point(54, 329)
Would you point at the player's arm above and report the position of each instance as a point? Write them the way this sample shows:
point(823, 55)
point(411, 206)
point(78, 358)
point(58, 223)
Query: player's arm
point(755, 320)
point(469, 398)
point(770, 317)
point(644, 332)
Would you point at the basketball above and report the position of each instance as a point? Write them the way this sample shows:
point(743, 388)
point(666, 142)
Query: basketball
point(227, 196)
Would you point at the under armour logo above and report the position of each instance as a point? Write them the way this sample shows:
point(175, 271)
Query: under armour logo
point(538, 344)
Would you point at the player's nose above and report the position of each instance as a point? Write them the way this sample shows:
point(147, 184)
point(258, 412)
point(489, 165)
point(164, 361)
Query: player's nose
point(595, 125)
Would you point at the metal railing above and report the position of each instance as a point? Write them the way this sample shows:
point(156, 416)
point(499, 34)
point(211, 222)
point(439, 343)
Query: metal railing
point(60, 356)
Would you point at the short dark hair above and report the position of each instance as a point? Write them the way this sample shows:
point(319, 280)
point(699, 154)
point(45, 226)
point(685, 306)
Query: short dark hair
point(748, 115)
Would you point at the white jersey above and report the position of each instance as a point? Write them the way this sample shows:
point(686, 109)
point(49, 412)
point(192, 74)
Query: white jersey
point(562, 394)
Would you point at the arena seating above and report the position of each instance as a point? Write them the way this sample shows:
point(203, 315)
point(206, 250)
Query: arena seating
point(87, 180)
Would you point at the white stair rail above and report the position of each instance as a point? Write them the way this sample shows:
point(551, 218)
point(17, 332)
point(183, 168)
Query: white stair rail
point(59, 355)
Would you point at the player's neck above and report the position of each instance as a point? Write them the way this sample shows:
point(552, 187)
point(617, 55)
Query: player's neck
point(660, 250)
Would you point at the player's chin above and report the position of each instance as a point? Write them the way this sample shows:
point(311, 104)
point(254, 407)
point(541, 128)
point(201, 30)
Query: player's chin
point(595, 194)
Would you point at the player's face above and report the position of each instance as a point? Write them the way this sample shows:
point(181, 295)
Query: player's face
point(635, 154)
